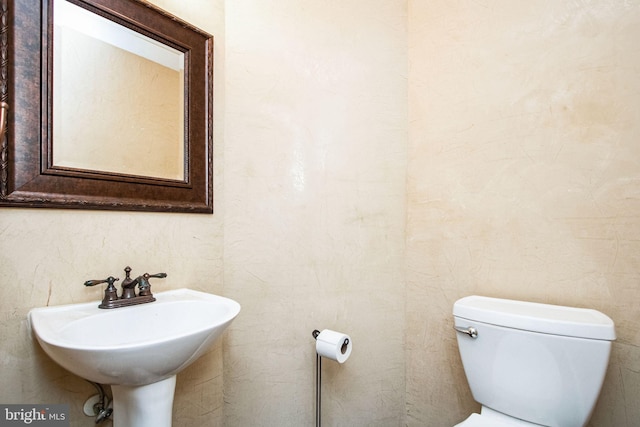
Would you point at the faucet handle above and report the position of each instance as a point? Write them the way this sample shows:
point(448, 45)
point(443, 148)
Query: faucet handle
point(108, 280)
point(110, 294)
point(145, 286)
point(143, 281)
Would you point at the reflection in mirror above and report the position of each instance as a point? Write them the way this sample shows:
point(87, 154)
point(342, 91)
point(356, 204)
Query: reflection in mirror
point(115, 91)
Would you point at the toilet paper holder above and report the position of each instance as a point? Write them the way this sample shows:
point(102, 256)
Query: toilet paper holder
point(343, 349)
point(345, 344)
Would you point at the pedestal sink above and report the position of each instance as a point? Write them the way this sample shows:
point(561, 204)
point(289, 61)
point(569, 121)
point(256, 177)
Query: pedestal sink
point(138, 350)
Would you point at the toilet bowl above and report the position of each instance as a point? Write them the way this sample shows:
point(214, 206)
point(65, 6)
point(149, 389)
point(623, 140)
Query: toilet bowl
point(531, 364)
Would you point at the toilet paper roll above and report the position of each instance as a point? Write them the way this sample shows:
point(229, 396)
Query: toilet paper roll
point(333, 345)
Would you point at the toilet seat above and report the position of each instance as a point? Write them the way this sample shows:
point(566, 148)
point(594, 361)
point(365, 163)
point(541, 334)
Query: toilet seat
point(491, 418)
point(477, 420)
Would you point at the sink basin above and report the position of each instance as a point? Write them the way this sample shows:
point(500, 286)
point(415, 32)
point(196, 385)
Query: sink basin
point(137, 346)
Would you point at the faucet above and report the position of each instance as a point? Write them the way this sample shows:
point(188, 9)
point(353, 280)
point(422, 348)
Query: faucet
point(128, 296)
point(128, 285)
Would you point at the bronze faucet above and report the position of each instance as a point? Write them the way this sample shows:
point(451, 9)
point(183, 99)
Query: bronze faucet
point(128, 296)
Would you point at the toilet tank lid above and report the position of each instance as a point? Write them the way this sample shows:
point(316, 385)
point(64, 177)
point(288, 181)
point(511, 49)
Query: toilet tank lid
point(536, 317)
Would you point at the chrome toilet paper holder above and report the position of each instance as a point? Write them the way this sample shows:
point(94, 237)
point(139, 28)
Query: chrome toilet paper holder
point(343, 350)
point(345, 344)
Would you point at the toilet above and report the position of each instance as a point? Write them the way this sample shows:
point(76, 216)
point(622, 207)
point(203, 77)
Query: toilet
point(531, 364)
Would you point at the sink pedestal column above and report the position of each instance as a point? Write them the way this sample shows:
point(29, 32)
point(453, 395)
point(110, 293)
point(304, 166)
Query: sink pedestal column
point(144, 406)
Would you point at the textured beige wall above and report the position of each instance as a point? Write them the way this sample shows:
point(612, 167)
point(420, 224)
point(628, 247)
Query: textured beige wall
point(46, 255)
point(523, 180)
point(315, 161)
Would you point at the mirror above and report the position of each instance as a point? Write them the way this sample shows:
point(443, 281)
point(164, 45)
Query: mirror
point(110, 108)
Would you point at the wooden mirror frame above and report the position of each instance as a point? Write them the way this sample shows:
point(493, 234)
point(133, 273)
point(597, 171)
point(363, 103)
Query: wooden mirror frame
point(27, 177)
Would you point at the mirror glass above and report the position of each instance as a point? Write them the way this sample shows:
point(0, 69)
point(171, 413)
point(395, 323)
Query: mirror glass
point(118, 98)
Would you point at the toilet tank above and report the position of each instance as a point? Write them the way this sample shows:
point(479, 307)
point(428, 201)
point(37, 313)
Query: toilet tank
point(541, 363)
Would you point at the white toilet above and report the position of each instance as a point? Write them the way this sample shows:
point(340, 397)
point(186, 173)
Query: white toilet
point(531, 364)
